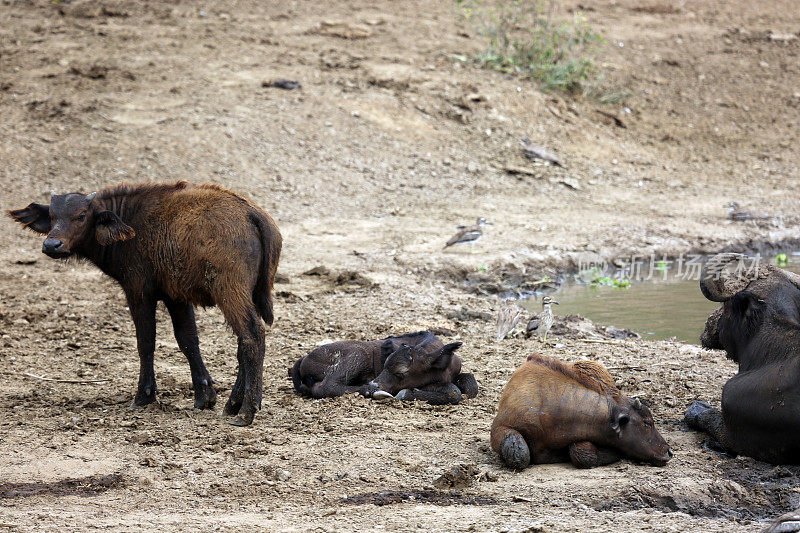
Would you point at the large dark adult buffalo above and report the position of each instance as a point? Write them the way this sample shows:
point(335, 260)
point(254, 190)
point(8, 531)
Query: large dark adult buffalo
point(758, 326)
point(182, 244)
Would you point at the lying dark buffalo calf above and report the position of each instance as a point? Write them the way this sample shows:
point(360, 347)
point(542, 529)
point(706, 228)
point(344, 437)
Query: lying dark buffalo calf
point(553, 412)
point(415, 366)
point(184, 245)
point(758, 326)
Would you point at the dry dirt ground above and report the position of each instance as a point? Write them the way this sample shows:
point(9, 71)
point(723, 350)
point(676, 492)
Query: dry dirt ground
point(390, 142)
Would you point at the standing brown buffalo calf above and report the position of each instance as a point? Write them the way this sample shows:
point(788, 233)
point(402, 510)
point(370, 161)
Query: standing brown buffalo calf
point(183, 244)
point(552, 412)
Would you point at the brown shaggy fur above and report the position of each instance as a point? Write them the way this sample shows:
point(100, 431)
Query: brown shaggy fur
point(185, 245)
point(591, 375)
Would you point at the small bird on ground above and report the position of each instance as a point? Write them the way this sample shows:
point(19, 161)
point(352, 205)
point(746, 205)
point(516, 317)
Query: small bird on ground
point(468, 234)
point(735, 212)
point(507, 319)
point(533, 151)
point(543, 321)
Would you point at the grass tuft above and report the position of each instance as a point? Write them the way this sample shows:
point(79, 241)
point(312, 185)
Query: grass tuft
point(526, 38)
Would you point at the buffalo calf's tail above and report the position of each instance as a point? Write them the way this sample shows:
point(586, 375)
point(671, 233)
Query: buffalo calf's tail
point(271, 242)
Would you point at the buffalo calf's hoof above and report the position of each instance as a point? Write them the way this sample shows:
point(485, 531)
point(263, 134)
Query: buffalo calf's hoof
point(402, 394)
point(205, 399)
point(693, 414)
point(240, 421)
point(145, 397)
point(232, 407)
point(514, 451)
point(381, 395)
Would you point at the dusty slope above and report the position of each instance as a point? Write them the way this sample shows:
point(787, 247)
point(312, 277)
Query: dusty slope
point(367, 168)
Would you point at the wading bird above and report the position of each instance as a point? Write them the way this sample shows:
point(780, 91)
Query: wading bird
point(468, 234)
point(543, 321)
point(507, 319)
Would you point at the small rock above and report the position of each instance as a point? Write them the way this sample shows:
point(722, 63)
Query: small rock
point(572, 183)
point(287, 85)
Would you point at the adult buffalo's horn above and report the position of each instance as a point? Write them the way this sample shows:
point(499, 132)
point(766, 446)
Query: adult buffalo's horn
point(791, 276)
point(90, 197)
point(719, 286)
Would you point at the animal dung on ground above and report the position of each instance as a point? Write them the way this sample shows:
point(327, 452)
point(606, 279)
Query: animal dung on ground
point(457, 477)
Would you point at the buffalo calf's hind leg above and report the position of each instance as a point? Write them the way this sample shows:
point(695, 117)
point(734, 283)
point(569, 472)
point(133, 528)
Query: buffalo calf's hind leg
point(584, 454)
point(186, 334)
point(237, 391)
point(467, 383)
point(247, 390)
point(513, 449)
point(143, 312)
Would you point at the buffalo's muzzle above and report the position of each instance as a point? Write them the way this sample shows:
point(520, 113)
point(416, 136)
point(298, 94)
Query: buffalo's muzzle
point(54, 248)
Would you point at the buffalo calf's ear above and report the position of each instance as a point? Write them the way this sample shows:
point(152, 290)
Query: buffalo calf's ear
point(110, 228)
point(446, 355)
point(619, 419)
point(35, 217)
point(387, 348)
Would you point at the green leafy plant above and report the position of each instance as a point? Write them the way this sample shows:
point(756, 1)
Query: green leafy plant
point(781, 260)
point(525, 37)
point(593, 276)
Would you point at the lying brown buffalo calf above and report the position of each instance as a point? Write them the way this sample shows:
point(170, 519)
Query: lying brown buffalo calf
point(415, 366)
point(553, 412)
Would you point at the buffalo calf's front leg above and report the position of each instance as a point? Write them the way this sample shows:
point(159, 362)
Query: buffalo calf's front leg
point(185, 328)
point(584, 454)
point(437, 394)
point(143, 312)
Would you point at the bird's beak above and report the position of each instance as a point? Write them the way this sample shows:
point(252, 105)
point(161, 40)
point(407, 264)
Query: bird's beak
point(489, 223)
point(555, 302)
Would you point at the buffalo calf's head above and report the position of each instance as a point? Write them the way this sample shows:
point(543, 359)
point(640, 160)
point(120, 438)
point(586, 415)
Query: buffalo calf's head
point(72, 221)
point(413, 367)
point(760, 307)
point(634, 430)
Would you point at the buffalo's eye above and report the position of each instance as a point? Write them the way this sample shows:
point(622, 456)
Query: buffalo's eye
point(81, 217)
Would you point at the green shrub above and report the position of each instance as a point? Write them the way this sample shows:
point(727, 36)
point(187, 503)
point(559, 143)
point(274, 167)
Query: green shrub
point(525, 38)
